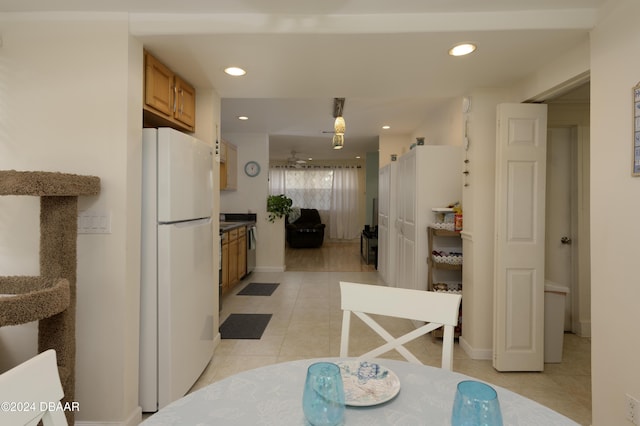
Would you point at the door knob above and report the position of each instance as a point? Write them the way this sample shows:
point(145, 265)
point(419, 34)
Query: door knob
point(565, 240)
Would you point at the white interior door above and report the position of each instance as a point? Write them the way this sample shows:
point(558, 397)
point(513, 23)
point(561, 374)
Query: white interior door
point(520, 236)
point(561, 195)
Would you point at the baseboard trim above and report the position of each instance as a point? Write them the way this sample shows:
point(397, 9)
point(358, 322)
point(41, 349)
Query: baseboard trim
point(585, 329)
point(269, 269)
point(134, 419)
point(475, 353)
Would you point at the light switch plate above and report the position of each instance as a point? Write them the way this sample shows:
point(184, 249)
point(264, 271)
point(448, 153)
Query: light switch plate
point(94, 222)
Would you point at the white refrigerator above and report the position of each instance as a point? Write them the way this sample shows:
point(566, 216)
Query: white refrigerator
point(177, 272)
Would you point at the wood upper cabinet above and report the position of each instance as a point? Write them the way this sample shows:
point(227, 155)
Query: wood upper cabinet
point(168, 99)
point(228, 166)
point(158, 86)
point(185, 102)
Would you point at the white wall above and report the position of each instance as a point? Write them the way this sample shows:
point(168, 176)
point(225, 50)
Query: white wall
point(565, 72)
point(71, 101)
point(207, 125)
point(72, 92)
point(478, 230)
point(251, 196)
point(615, 202)
point(393, 144)
point(443, 125)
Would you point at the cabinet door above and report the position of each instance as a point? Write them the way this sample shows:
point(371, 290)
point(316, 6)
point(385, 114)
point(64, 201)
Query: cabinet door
point(185, 111)
point(406, 264)
point(232, 167)
point(242, 256)
point(233, 263)
point(158, 92)
point(225, 266)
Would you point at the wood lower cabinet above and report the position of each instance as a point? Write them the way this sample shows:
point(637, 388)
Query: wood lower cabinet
point(234, 257)
point(168, 99)
point(225, 262)
point(242, 251)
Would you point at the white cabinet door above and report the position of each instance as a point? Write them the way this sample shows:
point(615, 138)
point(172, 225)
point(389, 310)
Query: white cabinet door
point(386, 223)
point(520, 237)
point(383, 223)
point(406, 223)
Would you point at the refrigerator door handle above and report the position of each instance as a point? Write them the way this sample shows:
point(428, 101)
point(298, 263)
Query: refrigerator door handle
point(188, 223)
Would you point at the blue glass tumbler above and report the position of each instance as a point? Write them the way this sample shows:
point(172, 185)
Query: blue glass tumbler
point(323, 397)
point(476, 404)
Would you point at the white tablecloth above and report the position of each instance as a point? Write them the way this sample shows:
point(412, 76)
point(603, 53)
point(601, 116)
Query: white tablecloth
point(272, 396)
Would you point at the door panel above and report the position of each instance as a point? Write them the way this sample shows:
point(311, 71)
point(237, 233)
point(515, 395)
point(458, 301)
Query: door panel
point(519, 227)
point(521, 201)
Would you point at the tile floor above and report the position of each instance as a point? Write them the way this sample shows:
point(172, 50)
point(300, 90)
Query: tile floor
point(306, 323)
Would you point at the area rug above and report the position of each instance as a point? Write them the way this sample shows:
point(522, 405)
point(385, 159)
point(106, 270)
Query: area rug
point(258, 289)
point(244, 326)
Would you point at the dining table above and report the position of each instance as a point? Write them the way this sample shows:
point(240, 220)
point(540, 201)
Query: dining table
point(272, 396)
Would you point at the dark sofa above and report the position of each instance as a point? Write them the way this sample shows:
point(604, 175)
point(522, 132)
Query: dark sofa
point(307, 231)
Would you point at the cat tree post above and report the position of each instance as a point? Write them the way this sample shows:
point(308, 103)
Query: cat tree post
point(51, 297)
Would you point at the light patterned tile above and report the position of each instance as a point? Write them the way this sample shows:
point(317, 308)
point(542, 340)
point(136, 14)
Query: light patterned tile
point(307, 322)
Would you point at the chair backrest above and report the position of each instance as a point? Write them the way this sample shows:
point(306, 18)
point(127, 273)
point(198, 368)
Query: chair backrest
point(32, 392)
point(436, 309)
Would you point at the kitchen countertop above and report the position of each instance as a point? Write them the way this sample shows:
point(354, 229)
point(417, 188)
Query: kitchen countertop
point(228, 226)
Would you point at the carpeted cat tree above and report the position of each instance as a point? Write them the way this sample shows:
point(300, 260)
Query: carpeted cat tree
point(51, 297)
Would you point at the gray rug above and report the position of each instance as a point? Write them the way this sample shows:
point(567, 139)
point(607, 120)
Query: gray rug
point(258, 289)
point(244, 326)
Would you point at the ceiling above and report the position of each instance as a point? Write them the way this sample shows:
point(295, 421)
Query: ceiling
point(388, 59)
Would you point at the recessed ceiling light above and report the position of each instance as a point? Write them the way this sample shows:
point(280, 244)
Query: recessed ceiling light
point(462, 49)
point(243, 117)
point(309, 158)
point(385, 127)
point(235, 71)
point(357, 156)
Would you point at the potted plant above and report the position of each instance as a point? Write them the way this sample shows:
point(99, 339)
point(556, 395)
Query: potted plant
point(278, 206)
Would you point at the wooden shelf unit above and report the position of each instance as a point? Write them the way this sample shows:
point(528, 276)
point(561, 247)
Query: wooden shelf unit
point(433, 266)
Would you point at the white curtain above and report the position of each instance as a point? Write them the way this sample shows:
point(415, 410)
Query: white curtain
point(344, 204)
point(332, 190)
point(277, 181)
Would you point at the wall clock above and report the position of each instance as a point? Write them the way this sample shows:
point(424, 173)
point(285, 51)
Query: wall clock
point(252, 168)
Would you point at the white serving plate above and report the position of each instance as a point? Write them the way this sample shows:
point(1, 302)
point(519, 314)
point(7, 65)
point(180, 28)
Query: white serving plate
point(367, 383)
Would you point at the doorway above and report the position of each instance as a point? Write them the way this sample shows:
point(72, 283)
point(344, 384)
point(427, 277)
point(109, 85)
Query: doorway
point(567, 253)
point(560, 231)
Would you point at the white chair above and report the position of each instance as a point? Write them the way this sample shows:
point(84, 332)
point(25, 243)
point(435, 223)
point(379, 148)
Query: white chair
point(436, 309)
point(30, 390)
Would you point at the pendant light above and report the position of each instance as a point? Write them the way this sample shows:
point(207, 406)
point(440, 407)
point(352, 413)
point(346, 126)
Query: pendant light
point(338, 141)
point(339, 125)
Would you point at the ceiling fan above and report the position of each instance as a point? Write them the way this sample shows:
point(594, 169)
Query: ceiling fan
point(294, 160)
